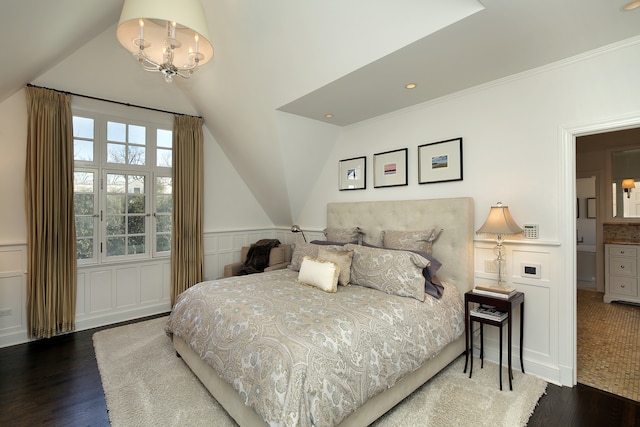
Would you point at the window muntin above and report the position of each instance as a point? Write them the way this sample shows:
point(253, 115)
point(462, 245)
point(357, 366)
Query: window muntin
point(164, 151)
point(86, 214)
point(129, 165)
point(126, 144)
point(83, 139)
point(163, 213)
point(126, 214)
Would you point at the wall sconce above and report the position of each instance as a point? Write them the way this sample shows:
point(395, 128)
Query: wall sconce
point(627, 185)
point(297, 229)
point(500, 223)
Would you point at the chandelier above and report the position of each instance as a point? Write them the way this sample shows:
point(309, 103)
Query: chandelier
point(166, 36)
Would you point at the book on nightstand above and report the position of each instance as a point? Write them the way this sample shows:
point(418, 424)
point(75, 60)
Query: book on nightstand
point(489, 313)
point(494, 291)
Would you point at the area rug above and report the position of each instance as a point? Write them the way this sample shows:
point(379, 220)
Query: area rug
point(145, 384)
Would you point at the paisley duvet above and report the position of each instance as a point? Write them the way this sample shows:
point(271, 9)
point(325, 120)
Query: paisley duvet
point(303, 357)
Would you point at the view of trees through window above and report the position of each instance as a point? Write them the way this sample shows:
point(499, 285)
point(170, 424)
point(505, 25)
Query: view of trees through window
point(122, 188)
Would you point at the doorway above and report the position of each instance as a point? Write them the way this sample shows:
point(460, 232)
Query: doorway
point(604, 339)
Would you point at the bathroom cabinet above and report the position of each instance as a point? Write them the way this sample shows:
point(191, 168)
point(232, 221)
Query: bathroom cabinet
point(621, 273)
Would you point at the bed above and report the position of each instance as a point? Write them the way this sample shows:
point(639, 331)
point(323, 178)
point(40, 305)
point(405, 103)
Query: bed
point(239, 369)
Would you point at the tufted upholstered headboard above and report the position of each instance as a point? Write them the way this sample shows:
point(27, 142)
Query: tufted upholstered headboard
point(454, 246)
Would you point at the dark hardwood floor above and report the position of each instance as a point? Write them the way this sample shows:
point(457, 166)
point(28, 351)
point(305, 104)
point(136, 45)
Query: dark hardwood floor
point(56, 382)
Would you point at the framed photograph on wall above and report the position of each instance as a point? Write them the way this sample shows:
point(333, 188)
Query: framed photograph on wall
point(353, 174)
point(440, 161)
point(390, 168)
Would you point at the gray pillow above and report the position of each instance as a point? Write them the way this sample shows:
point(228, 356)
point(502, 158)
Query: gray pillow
point(300, 250)
point(410, 240)
point(391, 271)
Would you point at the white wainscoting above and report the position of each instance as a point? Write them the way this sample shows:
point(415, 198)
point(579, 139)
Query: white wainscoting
point(541, 316)
point(112, 293)
point(13, 293)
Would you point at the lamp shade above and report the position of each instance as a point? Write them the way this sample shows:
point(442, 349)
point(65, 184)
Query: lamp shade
point(147, 19)
point(499, 222)
point(628, 183)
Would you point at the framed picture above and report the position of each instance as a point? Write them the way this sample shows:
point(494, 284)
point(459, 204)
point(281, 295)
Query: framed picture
point(440, 161)
point(591, 207)
point(353, 174)
point(390, 168)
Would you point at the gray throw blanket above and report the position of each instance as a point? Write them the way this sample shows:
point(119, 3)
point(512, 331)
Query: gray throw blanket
point(258, 256)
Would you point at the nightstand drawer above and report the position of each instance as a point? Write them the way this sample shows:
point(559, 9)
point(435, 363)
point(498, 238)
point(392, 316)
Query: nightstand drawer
point(619, 266)
point(623, 251)
point(624, 286)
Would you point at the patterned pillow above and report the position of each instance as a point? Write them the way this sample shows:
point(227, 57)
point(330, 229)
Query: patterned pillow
point(301, 250)
point(391, 271)
point(342, 258)
point(320, 274)
point(410, 240)
point(346, 235)
point(432, 284)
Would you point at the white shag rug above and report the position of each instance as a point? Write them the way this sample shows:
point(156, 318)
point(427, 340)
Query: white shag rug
point(146, 384)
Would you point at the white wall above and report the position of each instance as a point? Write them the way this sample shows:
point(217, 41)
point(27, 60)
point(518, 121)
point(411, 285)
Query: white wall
point(515, 151)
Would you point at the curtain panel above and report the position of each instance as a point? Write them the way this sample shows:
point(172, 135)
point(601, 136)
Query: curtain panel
point(187, 248)
point(51, 234)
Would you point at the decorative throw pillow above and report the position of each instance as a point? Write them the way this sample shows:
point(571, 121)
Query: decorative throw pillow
point(432, 285)
point(320, 274)
point(301, 250)
point(410, 240)
point(342, 258)
point(346, 235)
point(392, 271)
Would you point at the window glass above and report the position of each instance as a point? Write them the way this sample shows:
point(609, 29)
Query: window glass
point(122, 187)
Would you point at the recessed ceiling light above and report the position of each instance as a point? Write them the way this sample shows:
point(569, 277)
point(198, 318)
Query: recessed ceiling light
point(634, 4)
point(329, 116)
point(410, 86)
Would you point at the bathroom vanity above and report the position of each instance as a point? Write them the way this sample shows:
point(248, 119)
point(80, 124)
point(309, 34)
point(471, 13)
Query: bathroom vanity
point(621, 272)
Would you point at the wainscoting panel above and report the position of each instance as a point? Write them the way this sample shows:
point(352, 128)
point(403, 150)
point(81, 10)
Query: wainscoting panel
point(111, 293)
point(152, 283)
point(100, 291)
point(541, 313)
point(13, 294)
point(127, 287)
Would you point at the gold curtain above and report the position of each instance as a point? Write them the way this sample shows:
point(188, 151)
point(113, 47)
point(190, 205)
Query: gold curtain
point(51, 233)
point(187, 250)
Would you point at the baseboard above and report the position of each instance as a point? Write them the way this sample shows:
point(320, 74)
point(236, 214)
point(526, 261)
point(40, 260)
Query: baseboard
point(19, 336)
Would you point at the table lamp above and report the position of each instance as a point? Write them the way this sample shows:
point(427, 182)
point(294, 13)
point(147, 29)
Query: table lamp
point(500, 223)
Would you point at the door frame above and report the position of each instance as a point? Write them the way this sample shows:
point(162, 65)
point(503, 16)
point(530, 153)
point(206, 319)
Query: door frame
point(567, 234)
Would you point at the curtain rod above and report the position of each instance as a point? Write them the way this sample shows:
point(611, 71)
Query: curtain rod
point(111, 101)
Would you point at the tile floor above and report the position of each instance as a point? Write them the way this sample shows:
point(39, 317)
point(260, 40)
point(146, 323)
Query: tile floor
point(608, 345)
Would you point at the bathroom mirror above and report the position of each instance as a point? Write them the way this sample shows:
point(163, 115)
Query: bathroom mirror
point(626, 183)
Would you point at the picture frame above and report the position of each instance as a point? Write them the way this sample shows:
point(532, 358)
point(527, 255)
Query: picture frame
point(440, 161)
point(390, 168)
point(591, 207)
point(577, 207)
point(352, 174)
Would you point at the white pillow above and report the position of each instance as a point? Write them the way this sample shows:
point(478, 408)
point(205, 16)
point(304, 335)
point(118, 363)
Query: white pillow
point(320, 274)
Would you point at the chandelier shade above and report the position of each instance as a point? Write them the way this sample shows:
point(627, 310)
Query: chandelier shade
point(166, 36)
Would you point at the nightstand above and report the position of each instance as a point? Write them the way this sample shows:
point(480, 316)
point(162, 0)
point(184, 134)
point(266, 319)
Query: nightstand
point(504, 304)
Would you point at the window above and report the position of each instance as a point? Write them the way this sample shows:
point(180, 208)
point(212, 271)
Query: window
point(122, 186)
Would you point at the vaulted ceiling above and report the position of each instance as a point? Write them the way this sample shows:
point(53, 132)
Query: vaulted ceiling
point(281, 65)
